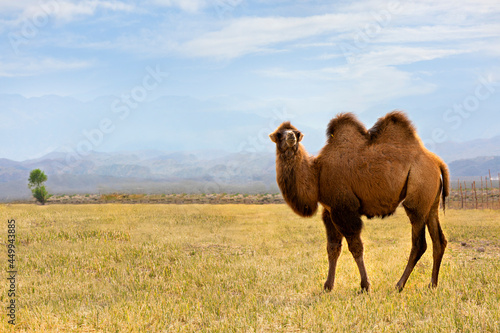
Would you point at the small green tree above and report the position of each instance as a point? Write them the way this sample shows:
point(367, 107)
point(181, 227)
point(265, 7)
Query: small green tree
point(35, 183)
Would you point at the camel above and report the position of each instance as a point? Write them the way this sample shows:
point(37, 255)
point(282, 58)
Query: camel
point(365, 172)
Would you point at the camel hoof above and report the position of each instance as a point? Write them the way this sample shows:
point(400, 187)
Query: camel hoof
point(432, 286)
point(328, 287)
point(399, 288)
point(365, 288)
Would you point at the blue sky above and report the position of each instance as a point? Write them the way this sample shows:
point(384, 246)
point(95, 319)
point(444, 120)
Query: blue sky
point(219, 74)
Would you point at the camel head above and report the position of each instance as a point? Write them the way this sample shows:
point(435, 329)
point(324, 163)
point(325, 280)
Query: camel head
point(286, 137)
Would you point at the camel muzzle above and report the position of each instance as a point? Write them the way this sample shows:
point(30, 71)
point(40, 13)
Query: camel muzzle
point(291, 140)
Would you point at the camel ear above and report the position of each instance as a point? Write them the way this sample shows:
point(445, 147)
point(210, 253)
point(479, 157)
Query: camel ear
point(272, 136)
point(299, 135)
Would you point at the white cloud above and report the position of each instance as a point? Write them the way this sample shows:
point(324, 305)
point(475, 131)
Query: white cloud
point(33, 66)
point(256, 34)
point(371, 23)
point(67, 11)
point(387, 56)
point(404, 45)
point(403, 55)
point(354, 92)
point(439, 33)
point(186, 5)
point(372, 79)
point(194, 6)
point(426, 12)
point(37, 12)
point(323, 74)
point(9, 5)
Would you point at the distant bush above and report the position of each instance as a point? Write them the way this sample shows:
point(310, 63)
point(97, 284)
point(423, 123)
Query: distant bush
point(41, 194)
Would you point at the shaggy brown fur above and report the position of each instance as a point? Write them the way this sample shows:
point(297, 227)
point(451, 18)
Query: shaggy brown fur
point(365, 172)
point(296, 172)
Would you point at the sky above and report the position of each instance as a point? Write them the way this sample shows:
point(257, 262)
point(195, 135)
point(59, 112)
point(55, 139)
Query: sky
point(78, 76)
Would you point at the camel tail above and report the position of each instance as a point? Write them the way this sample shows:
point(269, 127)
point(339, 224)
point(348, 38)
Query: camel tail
point(445, 174)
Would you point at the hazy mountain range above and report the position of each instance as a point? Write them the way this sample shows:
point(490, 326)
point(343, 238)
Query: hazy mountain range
point(453, 151)
point(143, 172)
point(149, 171)
point(476, 167)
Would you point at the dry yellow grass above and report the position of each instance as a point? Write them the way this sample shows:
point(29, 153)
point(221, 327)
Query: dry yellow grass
point(238, 268)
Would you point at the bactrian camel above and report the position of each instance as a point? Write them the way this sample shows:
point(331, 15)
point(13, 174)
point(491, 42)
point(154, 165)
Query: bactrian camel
point(365, 172)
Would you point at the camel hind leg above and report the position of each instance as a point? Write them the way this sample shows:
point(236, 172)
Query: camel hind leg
point(438, 240)
point(419, 244)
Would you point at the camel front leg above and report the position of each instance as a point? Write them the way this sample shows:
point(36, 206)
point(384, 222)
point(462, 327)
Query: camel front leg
point(333, 248)
point(349, 224)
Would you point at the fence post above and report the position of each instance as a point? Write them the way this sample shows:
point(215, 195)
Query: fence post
point(491, 182)
point(475, 192)
point(487, 194)
point(465, 194)
point(482, 194)
point(461, 197)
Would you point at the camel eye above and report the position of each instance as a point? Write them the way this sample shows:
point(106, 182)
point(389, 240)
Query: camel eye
point(279, 135)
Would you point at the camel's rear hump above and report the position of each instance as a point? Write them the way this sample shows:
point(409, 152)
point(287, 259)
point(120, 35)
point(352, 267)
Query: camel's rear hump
point(393, 127)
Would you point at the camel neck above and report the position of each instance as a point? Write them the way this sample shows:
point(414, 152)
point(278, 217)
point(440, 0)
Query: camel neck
point(297, 180)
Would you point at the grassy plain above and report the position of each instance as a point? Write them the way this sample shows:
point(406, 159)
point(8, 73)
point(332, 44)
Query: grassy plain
point(239, 268)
